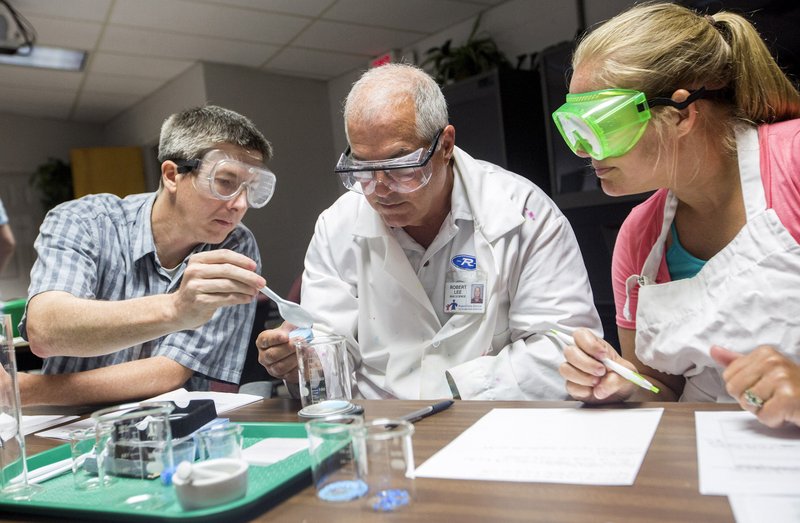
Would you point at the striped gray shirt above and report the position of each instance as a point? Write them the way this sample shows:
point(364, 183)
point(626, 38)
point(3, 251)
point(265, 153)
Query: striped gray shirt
point(101, 247)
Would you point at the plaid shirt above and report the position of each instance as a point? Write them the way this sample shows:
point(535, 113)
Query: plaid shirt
point(101, 247)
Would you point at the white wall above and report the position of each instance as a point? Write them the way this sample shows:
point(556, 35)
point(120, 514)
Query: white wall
point(141, 125)
point(293, 115)
point(26, 143)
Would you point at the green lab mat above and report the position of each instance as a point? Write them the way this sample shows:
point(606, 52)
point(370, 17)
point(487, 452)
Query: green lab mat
point(266, 487)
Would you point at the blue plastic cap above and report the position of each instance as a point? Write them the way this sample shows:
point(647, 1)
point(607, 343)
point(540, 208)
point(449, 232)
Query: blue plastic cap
point(302, 332)
point(166, 476)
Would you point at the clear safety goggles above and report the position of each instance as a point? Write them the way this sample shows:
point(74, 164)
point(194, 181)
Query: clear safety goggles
point(404, 174)
point(224, 177)
point(609, 123)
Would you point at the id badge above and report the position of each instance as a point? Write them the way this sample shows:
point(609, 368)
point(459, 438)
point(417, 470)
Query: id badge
point(465, 287)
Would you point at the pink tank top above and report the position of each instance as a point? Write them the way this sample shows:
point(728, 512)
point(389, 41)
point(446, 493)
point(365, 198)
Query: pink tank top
point(780, 173)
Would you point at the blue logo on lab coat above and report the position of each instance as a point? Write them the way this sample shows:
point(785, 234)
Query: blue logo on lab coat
point(465, 262)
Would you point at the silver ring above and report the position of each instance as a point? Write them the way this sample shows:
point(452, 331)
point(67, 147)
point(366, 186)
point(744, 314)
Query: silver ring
point(752, 399)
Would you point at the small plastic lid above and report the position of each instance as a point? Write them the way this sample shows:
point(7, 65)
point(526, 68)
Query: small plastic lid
point(302, 332)
point(326, 408)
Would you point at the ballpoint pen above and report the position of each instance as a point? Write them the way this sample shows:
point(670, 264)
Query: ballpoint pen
point(426, 411)
point(625, 372)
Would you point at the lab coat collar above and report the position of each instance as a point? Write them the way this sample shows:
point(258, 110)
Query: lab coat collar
point(494, 209)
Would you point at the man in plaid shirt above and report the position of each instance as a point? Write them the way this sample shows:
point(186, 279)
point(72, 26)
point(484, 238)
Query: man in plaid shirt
point(133, 297)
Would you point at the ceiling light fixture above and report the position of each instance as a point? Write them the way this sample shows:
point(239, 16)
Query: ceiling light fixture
point(18, 45)
point(48, 58)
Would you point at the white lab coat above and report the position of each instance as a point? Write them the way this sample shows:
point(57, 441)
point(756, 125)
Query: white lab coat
point(359, 283)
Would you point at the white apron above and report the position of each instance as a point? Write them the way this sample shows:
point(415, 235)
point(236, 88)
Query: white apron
point(744, 296)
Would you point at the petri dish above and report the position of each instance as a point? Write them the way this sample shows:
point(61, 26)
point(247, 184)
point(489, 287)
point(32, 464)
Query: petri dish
point(326, 408)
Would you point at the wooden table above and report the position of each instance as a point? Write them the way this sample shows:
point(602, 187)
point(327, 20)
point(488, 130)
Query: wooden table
point(665, 490)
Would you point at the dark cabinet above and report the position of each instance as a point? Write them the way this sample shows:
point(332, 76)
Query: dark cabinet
point(498, 117)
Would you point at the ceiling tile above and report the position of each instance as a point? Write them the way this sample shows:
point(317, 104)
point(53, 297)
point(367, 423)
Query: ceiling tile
point(101, 107)
point(348, 38)
point(42, 103)
point(204, 20)
point(310, 8)
point(314, 64)
point(29, 77)
point(92, 99)
point(412, 15)
point(115, 84)
point(144, 66)
point(66, 33)
point(166, 45)
point(83, 10)
point(98, 115)
point(149, 42)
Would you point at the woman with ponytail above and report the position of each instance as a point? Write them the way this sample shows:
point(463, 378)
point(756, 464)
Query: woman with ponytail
point(706, 272)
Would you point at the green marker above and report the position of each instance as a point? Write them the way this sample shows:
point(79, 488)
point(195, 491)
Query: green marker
point(625, 372)
point(629, 375)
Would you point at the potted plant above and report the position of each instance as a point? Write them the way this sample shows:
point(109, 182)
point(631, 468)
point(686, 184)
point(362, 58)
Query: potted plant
point(53, 179)
point(478, 54)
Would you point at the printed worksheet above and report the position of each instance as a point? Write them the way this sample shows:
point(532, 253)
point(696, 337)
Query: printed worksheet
point(63, 431)
point(738, 454)
point(579, 446)
point(31, 424)
point(752, 509)
point(223, 401)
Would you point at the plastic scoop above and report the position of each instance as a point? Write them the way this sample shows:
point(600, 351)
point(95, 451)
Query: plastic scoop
point(290, 311)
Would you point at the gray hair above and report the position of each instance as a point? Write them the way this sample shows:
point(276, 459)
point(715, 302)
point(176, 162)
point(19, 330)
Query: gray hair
point(385, 88)
point(187, 134)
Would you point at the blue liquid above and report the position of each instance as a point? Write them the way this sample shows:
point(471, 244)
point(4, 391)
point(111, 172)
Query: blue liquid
point(345, 490)
point(390, 499)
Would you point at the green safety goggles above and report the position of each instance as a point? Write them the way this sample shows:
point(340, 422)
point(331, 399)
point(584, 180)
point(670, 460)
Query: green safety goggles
point(608, 123)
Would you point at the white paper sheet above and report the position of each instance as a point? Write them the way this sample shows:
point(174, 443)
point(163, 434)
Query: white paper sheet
point(31, 424)
point(223, 401)
point(579, 446)
point(63, 431)
point(272, 450)
point(757, 509)
point(738, 454)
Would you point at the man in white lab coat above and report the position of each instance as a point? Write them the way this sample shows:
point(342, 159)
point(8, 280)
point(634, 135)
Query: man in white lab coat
point(393, 262)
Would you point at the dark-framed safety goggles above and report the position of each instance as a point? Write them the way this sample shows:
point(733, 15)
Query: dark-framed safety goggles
point(404, 174)
point(609, 123)
point(221, 176)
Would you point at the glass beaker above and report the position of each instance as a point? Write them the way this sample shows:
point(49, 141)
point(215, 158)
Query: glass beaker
point(388, 463)
point(324, 369)
point(222, 441)
point(83, 444)
point(336, 464)
point(135, 441)
point(13, 466)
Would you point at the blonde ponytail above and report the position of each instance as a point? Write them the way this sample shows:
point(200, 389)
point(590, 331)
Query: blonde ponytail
point(658, 48)
point(763, 93)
